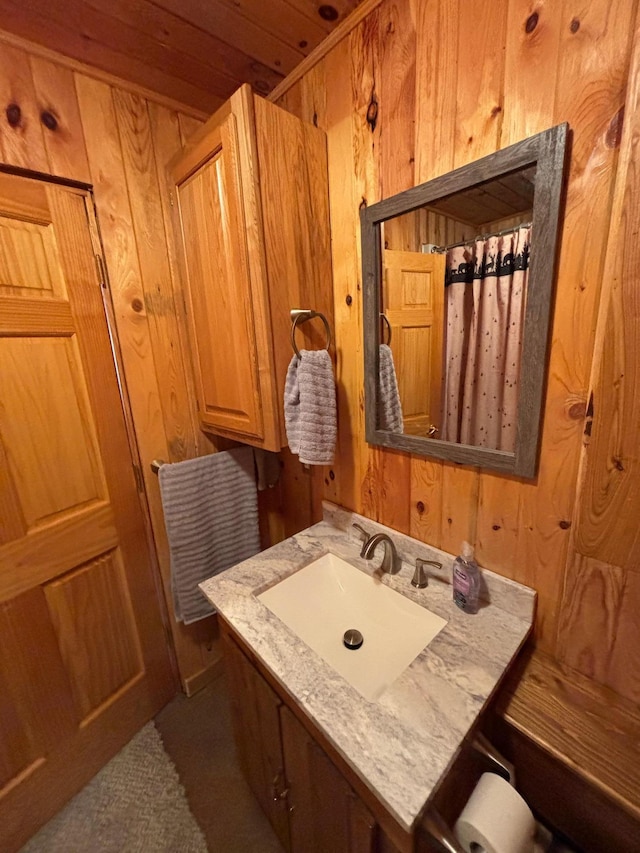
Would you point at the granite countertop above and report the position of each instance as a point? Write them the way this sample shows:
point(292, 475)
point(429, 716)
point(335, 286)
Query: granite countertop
point(401, 744)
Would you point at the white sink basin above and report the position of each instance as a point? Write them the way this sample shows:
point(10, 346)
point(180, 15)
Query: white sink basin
point(329, 596)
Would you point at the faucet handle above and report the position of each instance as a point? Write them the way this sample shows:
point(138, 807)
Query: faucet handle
point(420, 576)
point(364, 536)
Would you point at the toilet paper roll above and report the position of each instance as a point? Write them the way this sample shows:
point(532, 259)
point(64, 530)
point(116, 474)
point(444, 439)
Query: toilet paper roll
point(495, 819)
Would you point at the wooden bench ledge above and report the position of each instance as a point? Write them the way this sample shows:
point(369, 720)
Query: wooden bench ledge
point(576, 746)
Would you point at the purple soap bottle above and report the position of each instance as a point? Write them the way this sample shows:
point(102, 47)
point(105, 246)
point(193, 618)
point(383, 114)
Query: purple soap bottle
point(466, 580)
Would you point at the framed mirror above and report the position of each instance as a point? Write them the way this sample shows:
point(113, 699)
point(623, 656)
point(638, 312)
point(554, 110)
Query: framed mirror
point(458, 278)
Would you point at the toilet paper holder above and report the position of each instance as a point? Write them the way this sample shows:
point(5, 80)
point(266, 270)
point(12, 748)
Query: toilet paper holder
point(500, 764)
point(436, 826)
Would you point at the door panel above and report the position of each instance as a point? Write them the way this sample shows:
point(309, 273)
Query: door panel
point(28, 259)
point(92, 616)
point(83, 655)
point(36, 706)
point(41, 385)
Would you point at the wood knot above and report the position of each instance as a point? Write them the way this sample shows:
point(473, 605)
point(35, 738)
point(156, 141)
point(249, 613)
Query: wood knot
point(14, 114)
point(372, 112)
point(349, 299)
point(564, 525)
point(391, 28)
point(496, 111)
point(49, 120)
point(617, 463)
point(137, 305)
point(614, 131)
point(574, 26)
point(496, 527)
point(420, 507)
point(328, 13)
point(363, 203)
point(577, 411)
point(315, 119)
point(449, 521)
point(531, 22)
point(302, 44)
point(332, 476)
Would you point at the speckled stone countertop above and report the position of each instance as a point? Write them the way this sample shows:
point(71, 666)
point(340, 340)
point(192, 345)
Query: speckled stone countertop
point(401, 744)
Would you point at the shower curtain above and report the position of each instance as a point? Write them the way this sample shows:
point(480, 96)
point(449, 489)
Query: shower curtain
point(486, 285)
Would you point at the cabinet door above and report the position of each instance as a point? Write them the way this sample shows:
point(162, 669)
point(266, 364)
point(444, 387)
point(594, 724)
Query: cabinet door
point(255, 712)
point(219, 289)
point(324, 812)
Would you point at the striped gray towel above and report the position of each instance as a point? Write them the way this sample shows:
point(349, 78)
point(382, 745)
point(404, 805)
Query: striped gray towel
point(211, 514)
point(310, 407)
point(389, 405)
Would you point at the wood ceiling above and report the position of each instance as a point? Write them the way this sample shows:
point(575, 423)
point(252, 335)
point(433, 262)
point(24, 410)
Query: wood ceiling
point(195, 51)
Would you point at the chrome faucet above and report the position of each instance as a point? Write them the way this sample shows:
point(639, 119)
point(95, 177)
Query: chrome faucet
point(391, 562)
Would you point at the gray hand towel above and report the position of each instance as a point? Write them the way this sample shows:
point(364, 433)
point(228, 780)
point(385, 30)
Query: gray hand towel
point(211, 514)
point(310, 407)
point(389, 405)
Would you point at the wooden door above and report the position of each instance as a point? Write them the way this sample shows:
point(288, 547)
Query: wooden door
point(84, 661)
point(324, 811)
point(414, 305)
point(212, 236)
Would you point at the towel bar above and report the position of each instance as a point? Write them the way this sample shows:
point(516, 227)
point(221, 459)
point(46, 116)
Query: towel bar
point(157, 464)
point(301, 315)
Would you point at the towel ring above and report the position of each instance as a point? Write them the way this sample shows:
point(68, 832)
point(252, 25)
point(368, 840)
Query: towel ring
point(385, 320)
point(299, 315)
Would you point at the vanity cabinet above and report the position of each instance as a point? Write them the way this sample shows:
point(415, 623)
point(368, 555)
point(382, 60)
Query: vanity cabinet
point(256, 722)
point(251, 218)
point(325, 812)
point(309, 802)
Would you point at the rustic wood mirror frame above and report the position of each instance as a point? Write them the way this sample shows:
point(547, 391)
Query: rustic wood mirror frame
point(546, 151)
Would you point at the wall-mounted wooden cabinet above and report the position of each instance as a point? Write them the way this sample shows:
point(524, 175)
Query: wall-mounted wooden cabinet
point(252, 225)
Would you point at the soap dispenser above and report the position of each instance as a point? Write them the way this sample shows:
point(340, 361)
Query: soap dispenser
point(466, 580)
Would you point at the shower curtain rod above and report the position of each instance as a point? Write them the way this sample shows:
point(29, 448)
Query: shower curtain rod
point(481, 237)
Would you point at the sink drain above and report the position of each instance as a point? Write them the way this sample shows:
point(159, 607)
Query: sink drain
point(353, 639)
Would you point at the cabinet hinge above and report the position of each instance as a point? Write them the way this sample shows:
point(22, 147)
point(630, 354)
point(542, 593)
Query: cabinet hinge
point(137, 473)
point(171, 198)
point(102, 278)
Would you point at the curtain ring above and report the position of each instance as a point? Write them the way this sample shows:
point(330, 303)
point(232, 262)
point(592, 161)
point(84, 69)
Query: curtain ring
point(300, 318)
point(385, 320)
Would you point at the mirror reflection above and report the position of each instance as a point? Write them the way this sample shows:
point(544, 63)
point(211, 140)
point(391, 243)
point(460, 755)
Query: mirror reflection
point(454, 282)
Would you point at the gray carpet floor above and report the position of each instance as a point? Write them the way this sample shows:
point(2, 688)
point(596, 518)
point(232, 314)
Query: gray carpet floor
point(135, 804)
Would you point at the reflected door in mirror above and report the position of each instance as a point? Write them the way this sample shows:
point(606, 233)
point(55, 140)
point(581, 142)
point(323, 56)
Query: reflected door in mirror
point(413, 302)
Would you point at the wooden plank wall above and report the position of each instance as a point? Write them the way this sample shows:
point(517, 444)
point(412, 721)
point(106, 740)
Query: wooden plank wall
point(118, 140)
point(418, 88)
